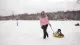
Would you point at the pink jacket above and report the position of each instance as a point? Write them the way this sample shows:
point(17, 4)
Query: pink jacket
point(44, 21)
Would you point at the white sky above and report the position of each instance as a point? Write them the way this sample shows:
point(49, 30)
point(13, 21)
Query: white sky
point(34, 6)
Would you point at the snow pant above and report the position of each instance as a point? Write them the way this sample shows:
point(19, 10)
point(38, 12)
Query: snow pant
point(44, 27)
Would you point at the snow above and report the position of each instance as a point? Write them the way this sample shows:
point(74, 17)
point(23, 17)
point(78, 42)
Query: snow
point(29, 32)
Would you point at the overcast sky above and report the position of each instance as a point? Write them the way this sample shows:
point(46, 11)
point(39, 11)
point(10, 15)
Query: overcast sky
point(36, 6)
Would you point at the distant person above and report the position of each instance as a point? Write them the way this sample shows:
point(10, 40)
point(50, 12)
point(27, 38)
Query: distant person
point(77, 24)
point(44, 23)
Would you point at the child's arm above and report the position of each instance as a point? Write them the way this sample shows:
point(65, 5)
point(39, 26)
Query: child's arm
point(48, 19)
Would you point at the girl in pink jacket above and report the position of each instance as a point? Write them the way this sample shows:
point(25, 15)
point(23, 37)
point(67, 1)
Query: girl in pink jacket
point(44, 23)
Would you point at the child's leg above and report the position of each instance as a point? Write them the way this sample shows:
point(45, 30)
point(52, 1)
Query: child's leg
point(44, 32)
point(61, 34)
point(44, 27)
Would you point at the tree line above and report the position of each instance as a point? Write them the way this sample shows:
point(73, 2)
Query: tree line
point(60, 15)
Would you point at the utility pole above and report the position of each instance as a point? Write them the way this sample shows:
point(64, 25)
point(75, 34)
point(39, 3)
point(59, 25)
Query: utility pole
point(12, 15)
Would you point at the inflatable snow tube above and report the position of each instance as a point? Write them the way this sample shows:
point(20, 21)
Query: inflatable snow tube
point(57, 35)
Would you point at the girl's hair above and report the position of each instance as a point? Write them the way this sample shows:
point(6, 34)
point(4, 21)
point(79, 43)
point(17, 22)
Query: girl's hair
point(42, 12)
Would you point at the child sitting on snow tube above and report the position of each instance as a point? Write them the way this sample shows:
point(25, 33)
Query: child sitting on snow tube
point(58, 34)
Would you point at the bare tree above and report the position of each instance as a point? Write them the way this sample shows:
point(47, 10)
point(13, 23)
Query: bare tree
point(78, 1)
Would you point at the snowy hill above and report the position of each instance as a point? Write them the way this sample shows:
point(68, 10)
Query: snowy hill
point(30, 33)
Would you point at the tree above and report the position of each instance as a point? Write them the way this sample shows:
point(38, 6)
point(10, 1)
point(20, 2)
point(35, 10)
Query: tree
point(78, 1)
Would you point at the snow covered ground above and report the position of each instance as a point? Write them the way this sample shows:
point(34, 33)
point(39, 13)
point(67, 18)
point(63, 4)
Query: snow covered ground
point(30, 33)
